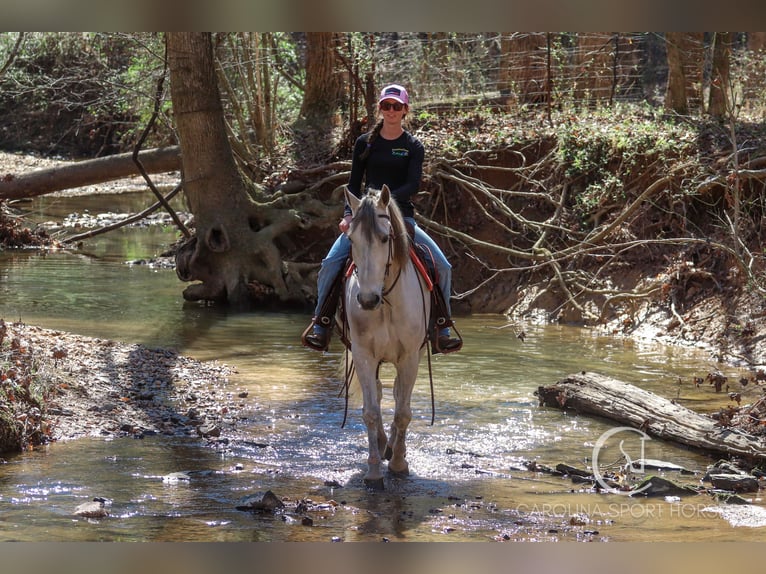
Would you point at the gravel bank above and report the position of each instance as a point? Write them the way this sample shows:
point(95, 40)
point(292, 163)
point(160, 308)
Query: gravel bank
point(103, 388)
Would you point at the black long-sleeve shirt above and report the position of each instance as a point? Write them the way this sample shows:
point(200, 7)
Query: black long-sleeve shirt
point(397, 163)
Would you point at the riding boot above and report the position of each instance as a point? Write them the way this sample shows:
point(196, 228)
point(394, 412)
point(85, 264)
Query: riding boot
point(319, 332)
point(316, 336)
point(441, 339)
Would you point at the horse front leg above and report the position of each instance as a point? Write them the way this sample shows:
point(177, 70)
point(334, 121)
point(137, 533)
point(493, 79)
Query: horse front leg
point(373, 420)
point(397, 450)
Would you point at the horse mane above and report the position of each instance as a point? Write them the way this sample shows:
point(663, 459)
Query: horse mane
point(368, 218)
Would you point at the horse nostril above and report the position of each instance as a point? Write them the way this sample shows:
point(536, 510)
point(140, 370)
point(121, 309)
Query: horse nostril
point(369, 302)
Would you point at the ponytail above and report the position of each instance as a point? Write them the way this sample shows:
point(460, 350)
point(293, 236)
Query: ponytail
point(372, 136)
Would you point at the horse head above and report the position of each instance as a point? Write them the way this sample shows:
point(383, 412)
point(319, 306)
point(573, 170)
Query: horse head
point(371, 234)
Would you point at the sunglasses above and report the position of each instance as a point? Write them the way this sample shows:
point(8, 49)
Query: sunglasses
point(385, 106)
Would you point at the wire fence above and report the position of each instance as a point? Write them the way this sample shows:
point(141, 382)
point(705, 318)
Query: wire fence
point(562, 69)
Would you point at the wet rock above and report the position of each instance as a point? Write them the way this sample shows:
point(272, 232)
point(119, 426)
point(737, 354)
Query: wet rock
point(209, 430)
point(108, 386)
point(260, 502)
point(728, 498)
point(659, 486)
point(572, 471)
point(734, 482)
point(95, 508)
point(654, 464)
point(534, 466)
point(175, 477)
point(724, 467)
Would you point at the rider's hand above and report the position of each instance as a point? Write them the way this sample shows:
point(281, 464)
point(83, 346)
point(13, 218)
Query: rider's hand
point(344, 223)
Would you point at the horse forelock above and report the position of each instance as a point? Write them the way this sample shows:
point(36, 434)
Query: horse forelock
point(367, 218)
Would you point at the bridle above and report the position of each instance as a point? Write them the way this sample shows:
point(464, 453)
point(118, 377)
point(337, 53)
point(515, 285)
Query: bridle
point(391, 239)
point(389, 261)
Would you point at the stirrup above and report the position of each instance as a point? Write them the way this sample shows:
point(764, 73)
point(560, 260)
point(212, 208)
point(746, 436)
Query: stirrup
point(314, 340)
point(445, 343)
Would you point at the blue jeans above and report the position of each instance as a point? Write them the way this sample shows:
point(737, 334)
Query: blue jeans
point(336, 257)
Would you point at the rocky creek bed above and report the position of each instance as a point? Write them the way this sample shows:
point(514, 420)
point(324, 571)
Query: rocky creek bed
point(102, 388)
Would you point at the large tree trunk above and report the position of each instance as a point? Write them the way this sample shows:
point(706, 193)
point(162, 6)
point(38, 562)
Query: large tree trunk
point(685, 54)
point(594, 394)
point(595, 63)
point(233, 246)
point(720, 80)
point(320, 98)
point(314, 129)
point(523, 73)
point(88, 172)
point(675, 94)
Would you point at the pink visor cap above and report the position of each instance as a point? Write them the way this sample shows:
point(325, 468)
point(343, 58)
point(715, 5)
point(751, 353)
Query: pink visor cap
point(395, 92)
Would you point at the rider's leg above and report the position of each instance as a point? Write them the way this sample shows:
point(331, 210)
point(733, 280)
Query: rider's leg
point(331, 267)
point(444, 270)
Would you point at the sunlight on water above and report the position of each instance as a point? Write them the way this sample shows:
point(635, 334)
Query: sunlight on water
point(468, 475)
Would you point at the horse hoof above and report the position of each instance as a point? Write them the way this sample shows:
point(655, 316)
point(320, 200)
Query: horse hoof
point(403, 473)
point(374, 484)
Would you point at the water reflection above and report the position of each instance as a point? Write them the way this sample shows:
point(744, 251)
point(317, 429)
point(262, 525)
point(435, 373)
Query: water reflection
point(468, 480)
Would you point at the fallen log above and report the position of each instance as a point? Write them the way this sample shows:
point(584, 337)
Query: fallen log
point(594, 394)
point(88, 172)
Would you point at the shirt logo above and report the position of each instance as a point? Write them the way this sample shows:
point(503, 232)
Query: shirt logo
point(400, 152)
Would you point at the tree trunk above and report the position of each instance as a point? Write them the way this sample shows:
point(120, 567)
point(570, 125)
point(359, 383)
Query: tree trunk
point(719, 82)
point(87, 172)
point(594, 394)
point(320, 96)
point(594, 62)
point(320, 99)
point(226, 253)
point(675, 94)
point(756, 41)
point(523, 72)
point(685, 54)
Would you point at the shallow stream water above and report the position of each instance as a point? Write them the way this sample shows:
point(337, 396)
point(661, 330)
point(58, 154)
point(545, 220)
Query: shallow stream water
point(468, 480)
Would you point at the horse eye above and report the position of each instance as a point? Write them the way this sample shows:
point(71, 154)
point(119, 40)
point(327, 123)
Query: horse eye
point(384, 239)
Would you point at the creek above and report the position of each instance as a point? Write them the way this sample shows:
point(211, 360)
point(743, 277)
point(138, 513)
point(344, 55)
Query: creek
point(468, 483)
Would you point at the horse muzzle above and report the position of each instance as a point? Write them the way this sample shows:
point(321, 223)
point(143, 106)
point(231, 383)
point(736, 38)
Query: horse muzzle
point(369, 301)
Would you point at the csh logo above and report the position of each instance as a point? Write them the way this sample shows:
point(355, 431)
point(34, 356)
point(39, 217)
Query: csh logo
point(601, 443)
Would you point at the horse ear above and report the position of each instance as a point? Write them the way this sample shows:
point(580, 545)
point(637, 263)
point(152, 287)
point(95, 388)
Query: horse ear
point(385, 196)
point(351, 199)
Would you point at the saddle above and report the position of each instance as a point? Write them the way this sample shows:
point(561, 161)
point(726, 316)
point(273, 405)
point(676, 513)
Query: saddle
point(332, 314)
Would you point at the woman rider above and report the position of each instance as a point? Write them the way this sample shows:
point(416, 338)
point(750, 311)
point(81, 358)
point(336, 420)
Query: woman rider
point(387, 154)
